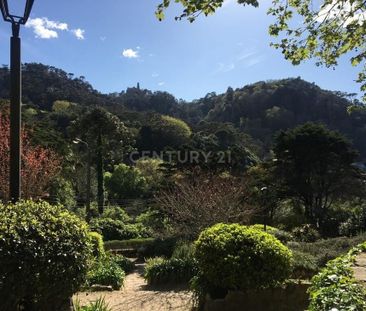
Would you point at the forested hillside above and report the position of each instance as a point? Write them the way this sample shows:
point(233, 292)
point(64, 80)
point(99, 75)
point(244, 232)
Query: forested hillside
point(263, 108)
point(258, 110)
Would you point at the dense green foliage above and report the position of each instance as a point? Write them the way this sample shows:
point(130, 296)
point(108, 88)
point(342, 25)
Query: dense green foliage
point(160, 271)
point(113, 229)
point(44, 254)
point(158, 247)
point(282, 236)
point(305, 233)
point(125, 182)
point(262, 108)
point(335, 287)
point(106, 272)
point(132, 243)
point(315, 166)
point(239, 257)
point(305, 266)
point(59, 86)
point(97, 245)
point(180, 268)
point(98, 305)
point(323, 251)
point(126, 264)
point(192, 8)
point(163, 131)
point(106, 137)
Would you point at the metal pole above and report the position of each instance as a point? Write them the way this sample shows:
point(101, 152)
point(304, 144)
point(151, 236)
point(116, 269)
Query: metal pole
point(88, 214)
point(15, 115)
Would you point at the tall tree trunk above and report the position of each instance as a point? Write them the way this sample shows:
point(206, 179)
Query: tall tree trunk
point(100, 176)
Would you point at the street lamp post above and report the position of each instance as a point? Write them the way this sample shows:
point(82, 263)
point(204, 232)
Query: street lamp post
point(15, 95)
point(88, 178)
point(264, 191)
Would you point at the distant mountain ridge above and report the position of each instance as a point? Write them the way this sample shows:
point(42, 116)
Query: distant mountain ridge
point(260, 109)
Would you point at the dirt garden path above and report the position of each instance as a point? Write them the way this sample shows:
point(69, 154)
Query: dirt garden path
point(359, 268)
point(137, 296)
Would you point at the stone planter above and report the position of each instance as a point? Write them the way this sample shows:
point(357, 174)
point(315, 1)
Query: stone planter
point(293, 297)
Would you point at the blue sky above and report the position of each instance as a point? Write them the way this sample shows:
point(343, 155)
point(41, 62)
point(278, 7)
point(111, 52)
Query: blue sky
point(117, 43)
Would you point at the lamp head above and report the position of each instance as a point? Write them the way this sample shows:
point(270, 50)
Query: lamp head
point(11, 17)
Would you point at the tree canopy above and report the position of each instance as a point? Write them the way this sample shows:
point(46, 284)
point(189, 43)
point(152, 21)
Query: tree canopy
point(314, 166)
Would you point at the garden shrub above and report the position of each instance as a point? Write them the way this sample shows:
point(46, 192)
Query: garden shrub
point(160, 271)
point(154, 219)
point(113, 229)
point(304, 266)
point(281, 235)
point(98, 305)
point(44, 255)
point(270, 229)
point(159, 247)
point(117, 213)
point(106, 272)
point(133, 243)
point(97, 244)
point(184, 250)
point(239, 258)
point(335, 287)
point(325, 250)
point(126, 264)
point(306, 233)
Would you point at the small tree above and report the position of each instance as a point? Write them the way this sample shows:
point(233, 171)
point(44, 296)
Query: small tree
point(39, 165)
point(195, 204)
point(108, 138)
point(314, 166)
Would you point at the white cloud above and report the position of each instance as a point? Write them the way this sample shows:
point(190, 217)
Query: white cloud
point(161, 83)
point(130, 53)
point(55, 25)
point(79, 33)
point(44, 28)
point(155, 75)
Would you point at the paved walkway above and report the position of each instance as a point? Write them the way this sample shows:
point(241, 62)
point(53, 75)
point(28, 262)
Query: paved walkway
point(137, 296)
point(359, 269)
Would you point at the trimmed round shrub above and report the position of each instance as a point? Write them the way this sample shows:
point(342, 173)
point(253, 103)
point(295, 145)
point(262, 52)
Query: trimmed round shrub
point(106, 272)
point(239, 258)
point(44, 255)
point(97, 244)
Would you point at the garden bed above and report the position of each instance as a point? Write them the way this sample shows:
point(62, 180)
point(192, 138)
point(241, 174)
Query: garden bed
point(293, 297)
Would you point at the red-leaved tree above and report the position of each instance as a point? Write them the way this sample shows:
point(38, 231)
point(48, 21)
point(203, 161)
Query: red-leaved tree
point(39, 165)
